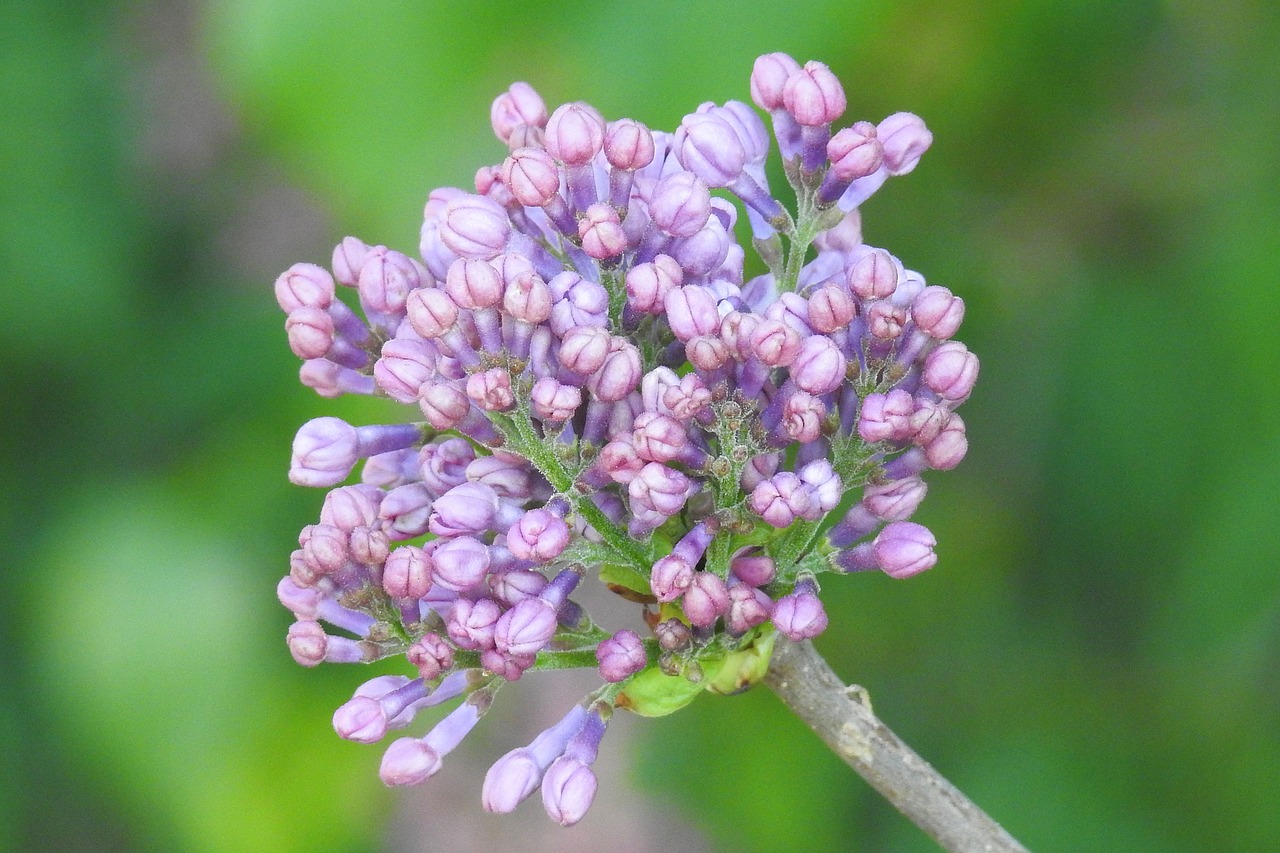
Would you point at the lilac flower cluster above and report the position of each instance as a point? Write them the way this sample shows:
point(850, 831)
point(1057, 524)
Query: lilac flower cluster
point(599, 388)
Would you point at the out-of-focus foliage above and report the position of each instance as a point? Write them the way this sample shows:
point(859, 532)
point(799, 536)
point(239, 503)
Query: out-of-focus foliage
point(1095, 659)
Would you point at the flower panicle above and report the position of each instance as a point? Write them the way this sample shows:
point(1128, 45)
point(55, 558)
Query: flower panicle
point(594, 387)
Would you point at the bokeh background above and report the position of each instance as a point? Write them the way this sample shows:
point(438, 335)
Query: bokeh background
point(1096, 657)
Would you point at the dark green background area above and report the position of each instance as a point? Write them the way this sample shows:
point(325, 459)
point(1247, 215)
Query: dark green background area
point(1096, 657)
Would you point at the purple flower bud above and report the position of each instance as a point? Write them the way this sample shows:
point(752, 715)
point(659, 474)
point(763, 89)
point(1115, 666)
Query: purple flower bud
point(443, 404)
point(813, 95)
point(407, 573)
point(905, 548)
point(432, 313)
point(406, 364)
point(577, 302)
point(409, 761)
point(670, 578)
point(516, 775)
point(748, 607)
point(475, 227)
point(324, 452)
point(539, 535)
point(621, 656)
point(370, 545)
point(310, 332)
point(660, 489)
point(827, 488)
point(444, 464)
point(553, 401)
point(819, 367)
point(333, 380)
point(937, 312)
point(304, 286)
point(800, 616)
point(619, 461)
point(471, 624)
point(532, 175)
point(628, 145)
point(672, 635)
point(575, 133)
point(885, 321)
point(769, 78)
point(491, 390)
point(830, 308)
point(659, 438)
point(886, 417)
point(386, 277)
point(301, 601)
point(350, 507)
point(466, 508)
point(704, 252)
point(515, 585)
point(431, 655)
point(620, 373)
point(406, 510)
point(708, 146)
point(706, 599)
point(460, 563)
point(896, 500)
point(781, 499)
point(648, 284)
point(905, 139)
point(509, 475)
point(951, 371)
point(519, 105)
point(753, 569)
point(681, 204)
point(855, 152)
point(473, 284)
point(691, 311)
point(324, 548)
point(949, 446)
point(875, 275)
point(584, 349)
point(601, 232)
point(568, 788)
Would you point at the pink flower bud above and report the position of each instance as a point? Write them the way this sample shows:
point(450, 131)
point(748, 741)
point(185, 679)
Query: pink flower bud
point(885, 321)
point(691, 311)
point(874, 275)
point(407, 573)
point(491, 390)
point(539, 535)
point(706, 599)
point(601, 232)
point(905, 139)
point(802, 417)
point(404, 366)
point(648, 284)
point(937, 312)
point(855, 152)
point(431, 655)
point(819, 367)
point(896, 500)
point(905, 548)
point(620, 373)
point(660, 489)
point(324, 452)
point(443, 404)
point(532, 175)
point(348, 257)
point(621, 656)
point(949, 446)
point(748, 607)
point(769, 79)
point(800, 615)
point(473, 284)
point(526, 628)
point(775, 343)
point(813, 95)
point(670, 577)
point(781, 499)
point(460, 563)
point(471, 623)
point(575, 133)
point(886, 417)
point(584, 349)
point(753, 569)
point(310, 332)
point(386, 277)
point(628, 145)
point(951, 371)
point(830, 308)
point(519, 105)
point(304, 286)
point(553, 401)
point(707, 146)
point(431, 312)
point(527, 298)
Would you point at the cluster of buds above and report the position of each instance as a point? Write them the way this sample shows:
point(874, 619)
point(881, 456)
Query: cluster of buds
point(597, 388)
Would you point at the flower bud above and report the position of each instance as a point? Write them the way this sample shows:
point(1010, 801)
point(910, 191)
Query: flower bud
point(405, 365)
point(706, 599)
point(304, 286)
point(951, 371)
point(620, 373)
point(324, 452)
point(628, 145)
point(781, 499)
point(874, 275)
point(475, 227)
point(819, 367)
point(621, 656)
point(769, 78)
point(648, 284)
point(575, 133)
point(949, 446)
point(460, 564)
point(830, 308)
point(471, 624)
point(886, 417)
point(813, 95)
point(473, 284)
point(905, 139)
point(601, 232)
point(896, 500)
point(905, 548)
point(407, 573)
point(539, 535)
point(937, 312)
point(800, 615)
point(348, 257)
point(660, 489)
point(532, 176)
point(310, 332)
point(855, 152)
point(670, 578)
point(681, 204)
point(707, 146)
point(386, 278)
point(431, 312)
point(553, 401)
point(519, 105)
point(491, 390)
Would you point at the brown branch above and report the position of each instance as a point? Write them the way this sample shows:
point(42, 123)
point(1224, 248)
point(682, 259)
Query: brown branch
point(842, 717)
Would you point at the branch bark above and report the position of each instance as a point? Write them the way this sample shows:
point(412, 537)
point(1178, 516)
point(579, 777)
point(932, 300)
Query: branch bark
point(842, 717)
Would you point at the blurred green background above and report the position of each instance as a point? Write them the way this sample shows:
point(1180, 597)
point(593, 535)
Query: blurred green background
point(1096, 657)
